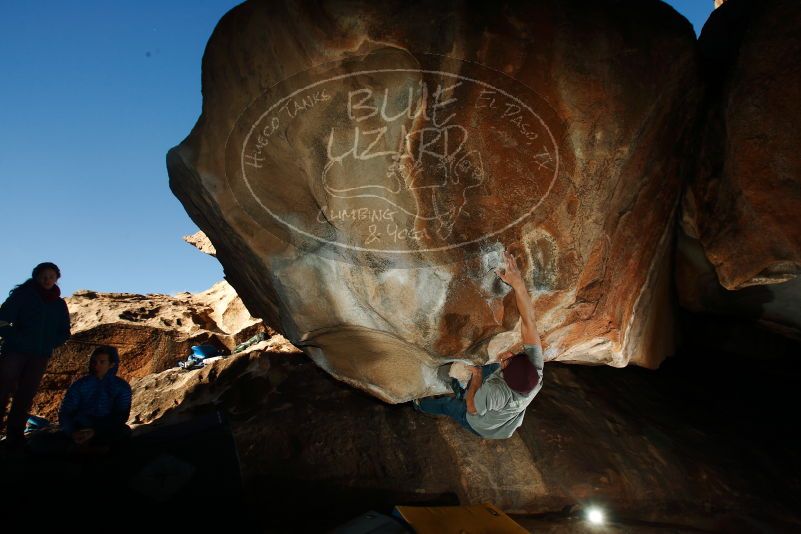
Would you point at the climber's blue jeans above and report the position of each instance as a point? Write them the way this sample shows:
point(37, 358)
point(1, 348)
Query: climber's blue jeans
point(453, 407)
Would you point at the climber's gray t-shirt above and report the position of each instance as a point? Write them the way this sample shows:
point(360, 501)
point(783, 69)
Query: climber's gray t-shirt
point(499, 408)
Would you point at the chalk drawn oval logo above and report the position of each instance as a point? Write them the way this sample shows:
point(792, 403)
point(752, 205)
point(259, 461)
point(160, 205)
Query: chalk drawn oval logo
point(395, 155)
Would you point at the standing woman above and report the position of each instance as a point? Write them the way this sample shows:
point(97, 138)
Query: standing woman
point(34, 320)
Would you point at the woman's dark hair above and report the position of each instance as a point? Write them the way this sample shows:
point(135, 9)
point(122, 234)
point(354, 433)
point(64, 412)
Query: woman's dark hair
point(45, 265)
point(36, 270)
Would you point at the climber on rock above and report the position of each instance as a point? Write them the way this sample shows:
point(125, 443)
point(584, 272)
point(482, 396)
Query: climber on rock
point(497, 395)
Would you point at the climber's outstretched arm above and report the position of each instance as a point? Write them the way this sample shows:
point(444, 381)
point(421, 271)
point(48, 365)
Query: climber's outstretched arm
point(510, 274)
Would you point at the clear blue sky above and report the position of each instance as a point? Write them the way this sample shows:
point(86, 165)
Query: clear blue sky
point(93, 95)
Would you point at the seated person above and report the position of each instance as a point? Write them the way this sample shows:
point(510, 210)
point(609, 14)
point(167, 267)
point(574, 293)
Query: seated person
point(96, 408)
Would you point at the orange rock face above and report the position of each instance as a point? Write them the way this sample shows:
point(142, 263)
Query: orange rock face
point(239, 379)
point(359, 176)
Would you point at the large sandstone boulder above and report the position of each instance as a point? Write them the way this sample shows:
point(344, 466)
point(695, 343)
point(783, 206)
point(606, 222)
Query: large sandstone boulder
point(359, 167)
point(151, 332)
point(741, 209)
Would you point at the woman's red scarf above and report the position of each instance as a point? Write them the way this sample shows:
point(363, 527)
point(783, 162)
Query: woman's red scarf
point(49, 295)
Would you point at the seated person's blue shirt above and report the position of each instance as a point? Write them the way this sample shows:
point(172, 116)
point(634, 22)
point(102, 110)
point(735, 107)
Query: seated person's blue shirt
point(91, 402)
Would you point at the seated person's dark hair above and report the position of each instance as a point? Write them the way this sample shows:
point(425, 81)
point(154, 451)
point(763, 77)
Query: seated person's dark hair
point(111, 352)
